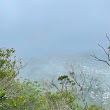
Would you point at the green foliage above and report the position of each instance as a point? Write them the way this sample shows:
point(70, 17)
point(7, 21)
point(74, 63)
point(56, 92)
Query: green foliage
point(9, 69)
point(108, 48)
point(58, 96)
point(65, 81)
point(2, 94)
point(63, 77)
point(23, 96)
point(94, 107)
point(9, 66)
point(29, 95)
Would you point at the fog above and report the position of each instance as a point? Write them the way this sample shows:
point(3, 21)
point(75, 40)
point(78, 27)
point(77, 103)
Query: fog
point(43, 27)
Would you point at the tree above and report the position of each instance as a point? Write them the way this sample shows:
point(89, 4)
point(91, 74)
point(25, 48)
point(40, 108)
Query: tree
point(9, 69)
point(78, 83)
point(106, 51)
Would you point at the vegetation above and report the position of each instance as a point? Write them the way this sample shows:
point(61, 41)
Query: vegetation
point(28, 95)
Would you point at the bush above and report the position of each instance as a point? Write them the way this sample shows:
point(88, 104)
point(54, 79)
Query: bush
point(29, 95)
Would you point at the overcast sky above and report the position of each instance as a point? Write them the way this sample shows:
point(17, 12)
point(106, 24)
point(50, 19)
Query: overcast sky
point(53, 26)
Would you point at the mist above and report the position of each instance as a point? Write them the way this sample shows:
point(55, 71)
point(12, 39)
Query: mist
point(51, 27)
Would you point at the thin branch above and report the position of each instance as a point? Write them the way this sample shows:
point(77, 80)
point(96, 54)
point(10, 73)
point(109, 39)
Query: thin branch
point(103, 49)
point(89, 87)
point(107, 37)
point(53, 84)
point(107, 53)
point(98, 59)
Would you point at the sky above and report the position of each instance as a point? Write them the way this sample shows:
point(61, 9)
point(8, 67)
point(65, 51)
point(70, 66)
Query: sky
point(41, 27)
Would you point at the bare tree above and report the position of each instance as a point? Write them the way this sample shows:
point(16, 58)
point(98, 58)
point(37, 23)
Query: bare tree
point(107, 61)
point(78, 82)
point(106, 51)
point(83, 84)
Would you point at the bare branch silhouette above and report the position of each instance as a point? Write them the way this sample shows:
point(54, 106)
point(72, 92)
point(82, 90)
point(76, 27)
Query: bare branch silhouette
point(106, 51)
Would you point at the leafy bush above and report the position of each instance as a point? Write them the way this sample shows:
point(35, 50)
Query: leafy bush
point(29, 95)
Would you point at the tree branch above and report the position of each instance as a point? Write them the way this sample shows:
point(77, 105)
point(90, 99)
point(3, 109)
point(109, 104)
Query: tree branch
point(98, 59)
